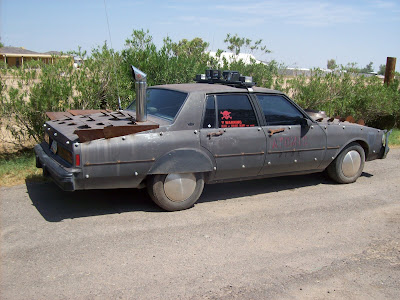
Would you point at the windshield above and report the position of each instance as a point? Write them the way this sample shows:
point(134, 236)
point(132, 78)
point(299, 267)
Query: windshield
point(162, 103)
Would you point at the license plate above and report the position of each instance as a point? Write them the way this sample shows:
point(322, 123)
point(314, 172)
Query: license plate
point(53, 147)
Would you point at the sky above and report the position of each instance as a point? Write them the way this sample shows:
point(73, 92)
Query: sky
point(299, 33)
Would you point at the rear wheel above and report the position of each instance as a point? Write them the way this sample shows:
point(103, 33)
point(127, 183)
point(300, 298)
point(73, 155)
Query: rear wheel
point(348, 165)
point(176, 191)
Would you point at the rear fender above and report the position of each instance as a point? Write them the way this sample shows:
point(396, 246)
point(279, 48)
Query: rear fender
point(182, 161)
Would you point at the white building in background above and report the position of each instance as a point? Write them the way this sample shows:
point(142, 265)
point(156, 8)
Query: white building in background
point(247, 58)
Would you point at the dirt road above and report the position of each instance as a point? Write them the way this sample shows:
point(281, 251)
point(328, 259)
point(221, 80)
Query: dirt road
point(298, 237)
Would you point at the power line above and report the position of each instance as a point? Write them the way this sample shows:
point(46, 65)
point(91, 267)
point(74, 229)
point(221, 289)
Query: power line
point(113, 54)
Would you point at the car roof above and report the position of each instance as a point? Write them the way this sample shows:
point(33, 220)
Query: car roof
point(211, 88)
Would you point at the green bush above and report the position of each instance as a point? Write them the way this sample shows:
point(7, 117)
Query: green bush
point(344, 94)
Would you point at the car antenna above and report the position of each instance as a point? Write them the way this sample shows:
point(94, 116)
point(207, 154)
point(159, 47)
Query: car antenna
point(113, 57)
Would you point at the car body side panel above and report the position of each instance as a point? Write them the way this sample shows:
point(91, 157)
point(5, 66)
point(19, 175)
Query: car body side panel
point(341, 134)
point(126, 161)
point(183, 161)
point(238, 152)
point(296, 148)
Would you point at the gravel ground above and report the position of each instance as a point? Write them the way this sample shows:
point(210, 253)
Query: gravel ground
point(300, 237)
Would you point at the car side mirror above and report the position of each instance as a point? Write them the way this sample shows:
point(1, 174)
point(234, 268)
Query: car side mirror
point(305, 122)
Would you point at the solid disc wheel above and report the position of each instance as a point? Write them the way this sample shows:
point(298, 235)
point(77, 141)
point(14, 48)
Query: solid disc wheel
point(176, 191)
point(348, 165)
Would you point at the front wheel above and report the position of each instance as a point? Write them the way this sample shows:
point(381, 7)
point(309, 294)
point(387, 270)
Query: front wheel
point(176, 191)
point(348, 165)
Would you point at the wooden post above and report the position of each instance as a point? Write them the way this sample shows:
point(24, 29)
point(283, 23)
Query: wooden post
point(390, 68)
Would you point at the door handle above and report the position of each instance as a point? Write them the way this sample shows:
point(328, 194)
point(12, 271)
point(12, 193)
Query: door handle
point(211, 134)
point(273, 131)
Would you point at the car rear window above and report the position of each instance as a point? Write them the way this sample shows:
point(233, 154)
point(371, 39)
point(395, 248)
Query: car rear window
point(162, 103)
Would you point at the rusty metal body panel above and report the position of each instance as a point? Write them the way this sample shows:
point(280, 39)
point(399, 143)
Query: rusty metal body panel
point(112, 150)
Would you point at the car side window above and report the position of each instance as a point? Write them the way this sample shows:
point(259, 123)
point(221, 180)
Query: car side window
point(209, 114)
point(279, 111)
point(235, 110)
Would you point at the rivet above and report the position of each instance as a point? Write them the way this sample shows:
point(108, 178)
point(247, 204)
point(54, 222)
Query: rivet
point(333, 157)
point(224, 130)
point(76, 144)
point(312, 127)
point(361, 129)
point(87, 176)
point(295, 160)
point(325, 127)
point(215, 168)
point(243, 166)
point(195, 132)
point(269, 162)
point(161, 133)
point(379, 131)
point(315, 159)
point(67, 142)
point(290, 127)
point(55, 133)
point(373, 151)
point(123, 138)
point(344, 127)
point(44, 125)
point(136, 173)
point(259, 129)
point(48, 128)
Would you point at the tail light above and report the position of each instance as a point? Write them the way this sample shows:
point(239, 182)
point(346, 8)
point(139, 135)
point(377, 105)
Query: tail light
point(77, 160)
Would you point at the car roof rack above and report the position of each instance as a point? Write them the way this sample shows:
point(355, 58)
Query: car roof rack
point(231, 78)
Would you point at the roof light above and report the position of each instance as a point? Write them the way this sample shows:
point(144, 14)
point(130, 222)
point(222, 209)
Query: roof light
point(232, 78)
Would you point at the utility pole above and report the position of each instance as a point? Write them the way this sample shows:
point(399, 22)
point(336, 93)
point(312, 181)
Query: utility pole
point(390, 68)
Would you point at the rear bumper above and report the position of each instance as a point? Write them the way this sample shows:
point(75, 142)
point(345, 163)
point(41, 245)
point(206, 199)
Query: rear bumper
point(62, 176)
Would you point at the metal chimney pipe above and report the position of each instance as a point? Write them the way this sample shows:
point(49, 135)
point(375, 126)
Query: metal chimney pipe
point(140, 88)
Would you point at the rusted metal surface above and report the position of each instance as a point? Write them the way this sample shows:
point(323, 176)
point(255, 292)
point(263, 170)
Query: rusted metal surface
point(273, 131)
point(54, 115)
point(102, 124)
point(86, 135)
point(350, 119)
point(78, 112)
point(361, 122)
point(211, 134)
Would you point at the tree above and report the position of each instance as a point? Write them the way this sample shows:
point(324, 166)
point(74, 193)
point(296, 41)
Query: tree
point(382, 69)
point(331, 64)
point(236, 43)
point(368, 68)
point(190, 48)
point(352, 67)
point(1, 45)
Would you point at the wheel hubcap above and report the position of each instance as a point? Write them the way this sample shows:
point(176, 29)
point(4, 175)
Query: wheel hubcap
point(179, 187)
point(351, 163)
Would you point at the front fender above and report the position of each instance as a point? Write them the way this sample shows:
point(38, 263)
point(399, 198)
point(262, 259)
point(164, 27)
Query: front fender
point(182, 161)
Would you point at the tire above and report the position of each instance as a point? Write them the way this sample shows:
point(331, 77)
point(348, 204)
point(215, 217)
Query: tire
point(348, 165)
point(176, 191)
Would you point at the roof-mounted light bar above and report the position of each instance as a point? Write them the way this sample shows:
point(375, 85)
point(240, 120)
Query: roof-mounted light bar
point(232, 78)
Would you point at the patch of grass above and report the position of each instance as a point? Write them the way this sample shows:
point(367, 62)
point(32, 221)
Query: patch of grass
point(394, 138)
point(18, 168)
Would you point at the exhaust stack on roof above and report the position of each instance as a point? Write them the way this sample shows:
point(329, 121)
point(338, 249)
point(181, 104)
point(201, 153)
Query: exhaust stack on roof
point(140, 87)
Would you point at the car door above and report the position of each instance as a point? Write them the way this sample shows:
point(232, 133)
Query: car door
point(232, 134)
point(294, 142)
